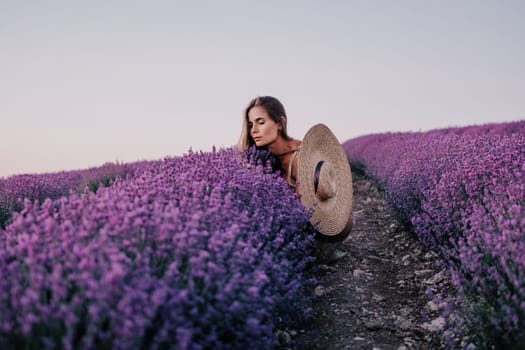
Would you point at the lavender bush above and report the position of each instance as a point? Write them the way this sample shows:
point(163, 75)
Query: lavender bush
point(462, 190)
point(14, 189)
point(202, 251)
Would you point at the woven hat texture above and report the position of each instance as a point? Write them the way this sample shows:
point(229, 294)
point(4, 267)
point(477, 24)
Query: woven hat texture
point(325, 182)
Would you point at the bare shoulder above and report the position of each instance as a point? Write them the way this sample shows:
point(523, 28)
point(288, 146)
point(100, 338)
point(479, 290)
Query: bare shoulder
point(295, 160)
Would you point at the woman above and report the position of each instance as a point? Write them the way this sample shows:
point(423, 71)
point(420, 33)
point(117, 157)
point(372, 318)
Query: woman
point(265, 127)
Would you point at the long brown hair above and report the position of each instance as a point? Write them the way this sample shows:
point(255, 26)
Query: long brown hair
point(275, 110)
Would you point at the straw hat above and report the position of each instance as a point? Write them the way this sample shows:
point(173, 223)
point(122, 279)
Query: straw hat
point(325, 183)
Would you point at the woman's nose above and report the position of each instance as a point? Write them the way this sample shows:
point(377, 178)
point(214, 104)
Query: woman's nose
point(254, 129)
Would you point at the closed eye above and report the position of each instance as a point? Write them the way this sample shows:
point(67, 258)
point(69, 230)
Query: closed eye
point(259, 121)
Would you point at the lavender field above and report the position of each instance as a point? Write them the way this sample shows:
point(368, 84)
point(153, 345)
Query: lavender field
point(462, 191)
point(38, 187)
point(201, 251)
point(210, 250)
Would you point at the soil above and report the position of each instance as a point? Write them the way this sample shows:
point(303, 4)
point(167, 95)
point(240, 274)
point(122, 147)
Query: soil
point(376, 296)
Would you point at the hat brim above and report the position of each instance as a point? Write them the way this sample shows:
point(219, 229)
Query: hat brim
point(332, 217)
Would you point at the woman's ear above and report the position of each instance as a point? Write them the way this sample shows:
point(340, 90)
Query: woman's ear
point(281, 122)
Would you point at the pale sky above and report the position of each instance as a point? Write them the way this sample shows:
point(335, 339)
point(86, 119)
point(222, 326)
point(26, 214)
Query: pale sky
point(88, 82)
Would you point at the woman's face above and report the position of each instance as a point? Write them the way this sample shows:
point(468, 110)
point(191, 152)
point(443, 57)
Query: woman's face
point(262, 128)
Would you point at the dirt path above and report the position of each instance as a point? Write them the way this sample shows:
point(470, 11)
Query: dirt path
point(375, 297)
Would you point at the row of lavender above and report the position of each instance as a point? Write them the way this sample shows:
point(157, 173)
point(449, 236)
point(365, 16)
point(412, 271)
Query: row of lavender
point(14, 189)
point(196, 252)
point(463, 192)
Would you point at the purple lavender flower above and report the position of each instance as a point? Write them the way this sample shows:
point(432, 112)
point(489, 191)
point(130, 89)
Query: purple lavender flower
point(193, 252)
